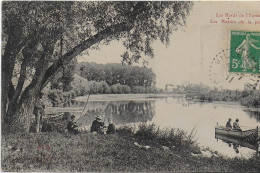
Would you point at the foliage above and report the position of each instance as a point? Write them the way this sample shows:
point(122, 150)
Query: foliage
point(186, 87)
point(56, 97)
point(149, 133)
point(63, 79)
point(116, 79)
point(82, 87)
point(120, 89)
point(251, 99)
point(117, 74)
point(245, 97)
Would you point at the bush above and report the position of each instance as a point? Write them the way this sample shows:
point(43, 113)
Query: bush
point(55, 97)
point(146, 132)
point(120, 89)
point(252, 100)
point(138, 89)
point(244, 93)
point(151, 134)
point(151, 89)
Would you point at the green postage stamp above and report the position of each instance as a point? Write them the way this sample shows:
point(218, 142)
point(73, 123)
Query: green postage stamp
point(244, 52)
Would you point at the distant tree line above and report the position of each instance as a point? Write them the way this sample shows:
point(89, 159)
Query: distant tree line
point(82, 86)
point(111, 78)
point(83, 78)
point(115, 73)
point(249, 98)
point(186, 87)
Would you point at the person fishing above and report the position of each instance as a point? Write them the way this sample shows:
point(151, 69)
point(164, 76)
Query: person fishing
point(97, 125)
point(236, 125)
point(72, 125)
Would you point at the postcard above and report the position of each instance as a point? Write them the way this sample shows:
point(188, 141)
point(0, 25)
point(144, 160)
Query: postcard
point(130, 86)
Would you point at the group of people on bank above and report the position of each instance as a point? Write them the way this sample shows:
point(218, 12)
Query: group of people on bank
point(235, 127)
point(98, 126)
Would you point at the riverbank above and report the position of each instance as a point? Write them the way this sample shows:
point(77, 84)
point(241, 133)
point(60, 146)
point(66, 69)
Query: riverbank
point(249, 99)
point(148, 149)
point(123, 97)
point(151, 96)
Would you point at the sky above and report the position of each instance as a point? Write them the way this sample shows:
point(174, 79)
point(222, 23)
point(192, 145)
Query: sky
point(189, 57)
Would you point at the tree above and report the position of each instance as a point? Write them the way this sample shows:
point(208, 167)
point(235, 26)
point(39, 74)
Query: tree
point(64, 78)
point(117, 73)
point(40, 37)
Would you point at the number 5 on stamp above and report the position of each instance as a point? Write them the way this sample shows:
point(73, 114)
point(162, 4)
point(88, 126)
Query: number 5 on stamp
point(244, 52)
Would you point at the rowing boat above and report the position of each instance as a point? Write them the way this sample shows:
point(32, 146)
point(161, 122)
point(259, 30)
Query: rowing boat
point(253, 146)
point(247, 135)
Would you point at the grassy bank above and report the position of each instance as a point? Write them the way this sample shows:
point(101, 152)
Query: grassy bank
point(170, 150)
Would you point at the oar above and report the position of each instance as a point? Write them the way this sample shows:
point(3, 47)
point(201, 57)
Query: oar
point(85, 105)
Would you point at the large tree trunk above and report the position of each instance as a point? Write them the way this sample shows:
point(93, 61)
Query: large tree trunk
point(21, 119)
point(12, 48)
point(13, 102)
point(15, 42)
point(27, 55)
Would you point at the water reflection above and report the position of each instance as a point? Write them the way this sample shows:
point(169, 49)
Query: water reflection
point(174, 112)
point(131, 112)
point(237, 143)
point(122, 112)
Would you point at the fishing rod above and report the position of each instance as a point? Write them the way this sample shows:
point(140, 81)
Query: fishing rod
point(85, 105)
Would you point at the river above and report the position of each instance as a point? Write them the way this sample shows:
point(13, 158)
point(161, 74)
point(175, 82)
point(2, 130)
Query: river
point(174, 112)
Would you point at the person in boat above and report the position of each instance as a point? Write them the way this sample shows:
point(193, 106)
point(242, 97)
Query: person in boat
point(235, 147)
point(228, 124)
point(236, 125)
point(111, 127)
point(72, 125)
point(97, 125)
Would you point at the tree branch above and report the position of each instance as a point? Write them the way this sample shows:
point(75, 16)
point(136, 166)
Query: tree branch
point(56, 66)
point(110, 31)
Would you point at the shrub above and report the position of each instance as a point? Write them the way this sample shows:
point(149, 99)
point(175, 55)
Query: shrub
point(149, 133)
point(146, 132)
point(138, 89)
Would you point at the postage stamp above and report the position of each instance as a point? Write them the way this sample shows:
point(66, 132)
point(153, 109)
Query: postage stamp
point(244, 52)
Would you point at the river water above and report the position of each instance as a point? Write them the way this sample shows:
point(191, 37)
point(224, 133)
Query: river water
point(174, 112)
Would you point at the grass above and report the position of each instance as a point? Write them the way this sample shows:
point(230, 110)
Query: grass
point(114, 153)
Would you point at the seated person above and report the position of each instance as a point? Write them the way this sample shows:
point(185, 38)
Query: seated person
point(111, 127)
point(236, 125)
point(72, 125)
point(97, 125)
point(235, 147)
point(228, 124)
